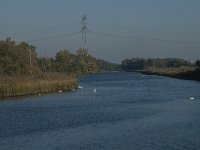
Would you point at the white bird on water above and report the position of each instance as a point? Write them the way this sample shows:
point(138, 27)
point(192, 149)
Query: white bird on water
point(191, 98)
point(95, 90)
point(80, 87)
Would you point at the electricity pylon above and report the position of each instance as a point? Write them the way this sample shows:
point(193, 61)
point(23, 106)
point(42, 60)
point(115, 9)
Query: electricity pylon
point(84, 31)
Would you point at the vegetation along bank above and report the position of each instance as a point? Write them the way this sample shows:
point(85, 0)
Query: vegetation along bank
point(22, 72)
point(171, 67)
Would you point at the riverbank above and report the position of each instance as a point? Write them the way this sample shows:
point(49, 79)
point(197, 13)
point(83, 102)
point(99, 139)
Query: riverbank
point(14, 86)
point(187, 73)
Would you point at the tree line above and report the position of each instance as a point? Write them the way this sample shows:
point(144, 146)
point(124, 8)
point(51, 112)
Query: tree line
point(135, 64)
point(22, 59)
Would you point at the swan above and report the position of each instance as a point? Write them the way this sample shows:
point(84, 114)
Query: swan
point(80, 87)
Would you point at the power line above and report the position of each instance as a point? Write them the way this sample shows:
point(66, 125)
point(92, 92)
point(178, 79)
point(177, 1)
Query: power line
point(44, 29)
point(113, 35)
point(84, 31)
point(145, 30)
point(141, 38)
point(55, 36)
point(111, 26)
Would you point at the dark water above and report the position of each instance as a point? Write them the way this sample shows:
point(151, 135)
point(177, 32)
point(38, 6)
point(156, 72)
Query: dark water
point(128, 111)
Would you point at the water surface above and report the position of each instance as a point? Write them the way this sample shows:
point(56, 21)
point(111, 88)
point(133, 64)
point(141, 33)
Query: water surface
point(128, 111)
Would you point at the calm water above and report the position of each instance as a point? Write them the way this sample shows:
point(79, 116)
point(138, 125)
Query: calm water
point(128, 111)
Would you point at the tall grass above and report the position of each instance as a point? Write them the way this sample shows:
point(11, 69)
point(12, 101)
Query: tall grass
point(11, 86)
point(188, 73)
point(169, 71)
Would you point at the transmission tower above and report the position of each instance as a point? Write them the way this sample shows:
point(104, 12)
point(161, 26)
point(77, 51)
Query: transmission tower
point(84, 31)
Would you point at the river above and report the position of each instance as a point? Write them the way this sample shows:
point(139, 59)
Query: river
point(128, 111)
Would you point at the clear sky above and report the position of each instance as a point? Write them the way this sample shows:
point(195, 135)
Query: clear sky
point(118, 29)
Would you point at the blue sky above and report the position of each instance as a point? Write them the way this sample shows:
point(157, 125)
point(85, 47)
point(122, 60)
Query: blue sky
point(117, 28)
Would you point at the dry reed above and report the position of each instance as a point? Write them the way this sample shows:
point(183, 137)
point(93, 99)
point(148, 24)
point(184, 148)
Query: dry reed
point(22, 85)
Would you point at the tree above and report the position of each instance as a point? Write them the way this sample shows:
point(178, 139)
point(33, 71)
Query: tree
point(7, 55)
point(65, 61)
point(198, 63)
point(15, 59)
point(133, 64)
point(140, 63)
point(86, 63)
point(82, 52)
point(22, 59)
point(45, 64)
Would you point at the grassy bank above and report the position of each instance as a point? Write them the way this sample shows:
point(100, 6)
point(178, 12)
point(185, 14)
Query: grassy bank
point(188, 73)
point(12, 86)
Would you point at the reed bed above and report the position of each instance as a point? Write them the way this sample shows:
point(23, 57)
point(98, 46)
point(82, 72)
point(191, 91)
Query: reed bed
point(23, 86)
point(188, 73)
point(169, 71)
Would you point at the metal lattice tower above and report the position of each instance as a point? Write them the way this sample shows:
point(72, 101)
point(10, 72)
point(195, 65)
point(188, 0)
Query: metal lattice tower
point(84, 31)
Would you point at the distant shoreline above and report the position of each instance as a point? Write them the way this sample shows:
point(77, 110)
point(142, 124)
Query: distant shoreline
point(173, 73)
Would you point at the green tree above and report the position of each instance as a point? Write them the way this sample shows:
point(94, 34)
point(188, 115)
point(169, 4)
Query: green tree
point(15, 59)
point(133, 64)
point(198, 63)
point(45, 64)
point(65, 61)
point(7, 48)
